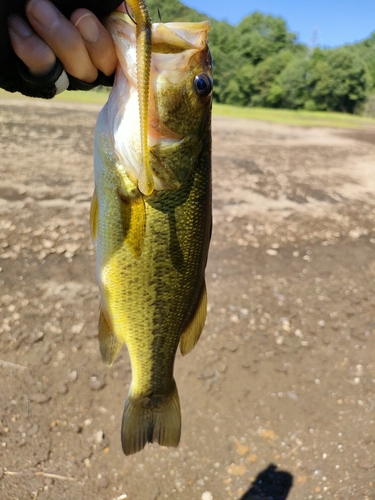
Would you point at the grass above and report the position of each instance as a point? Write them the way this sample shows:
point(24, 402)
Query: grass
point(299, 118)
point(283, 116)
point(93, 97)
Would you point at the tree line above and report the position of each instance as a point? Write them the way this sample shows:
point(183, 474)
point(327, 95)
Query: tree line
point(260, 63)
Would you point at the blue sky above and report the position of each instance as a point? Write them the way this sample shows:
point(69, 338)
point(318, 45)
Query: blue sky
point(334, 22)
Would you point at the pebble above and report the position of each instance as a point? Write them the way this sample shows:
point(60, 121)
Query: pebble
point(267, 433)
point(252, 458)
point(271, 251)
point(236, 470)
point(231, 345)
point(46, 359)
point(96, 382)
point(207, 495)
point(72, 377)
point(221, 367)
point(98, 437)
point(241, 448)
point(365, 464)
point(38, 336)
point(77, 329)
point(33, 430)
point(84, 455)
point(39, 398)
point(103, 481)
point(62, 389)
point(208, 372)
point(48, 481)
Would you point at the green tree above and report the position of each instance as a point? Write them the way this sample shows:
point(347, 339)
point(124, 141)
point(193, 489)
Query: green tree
point(259, 63)
point(264, 77)
point(231, 93)
point(245, 80)
point(225, 70)
point(365, 51)
point(292, 91)
point(338, 80)
point(223, 46)
point(261, 36)
point(224, 37)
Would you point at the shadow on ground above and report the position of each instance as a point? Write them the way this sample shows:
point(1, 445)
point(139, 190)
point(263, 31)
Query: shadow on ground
point(270, 484)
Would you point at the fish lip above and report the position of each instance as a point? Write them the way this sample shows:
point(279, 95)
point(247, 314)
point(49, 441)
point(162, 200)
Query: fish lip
point(190, 26)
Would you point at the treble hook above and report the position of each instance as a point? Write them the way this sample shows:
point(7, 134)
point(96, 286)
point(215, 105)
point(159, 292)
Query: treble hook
point(128, 13)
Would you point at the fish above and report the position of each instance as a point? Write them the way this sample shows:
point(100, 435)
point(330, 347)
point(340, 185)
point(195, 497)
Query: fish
point(151, 218)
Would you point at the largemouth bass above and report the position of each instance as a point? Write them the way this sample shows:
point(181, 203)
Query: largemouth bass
point(151, 223)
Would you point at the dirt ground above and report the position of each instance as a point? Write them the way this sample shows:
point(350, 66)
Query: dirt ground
point(278, 397)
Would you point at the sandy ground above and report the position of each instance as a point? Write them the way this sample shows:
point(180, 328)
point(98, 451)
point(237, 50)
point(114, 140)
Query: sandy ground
point(278, 397)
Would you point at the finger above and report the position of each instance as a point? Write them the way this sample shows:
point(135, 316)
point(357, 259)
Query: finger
point(29, 47)
point(63, 38)
point(98, 41)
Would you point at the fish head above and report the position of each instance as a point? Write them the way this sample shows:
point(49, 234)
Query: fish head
point(181, 80)
point(180, 95)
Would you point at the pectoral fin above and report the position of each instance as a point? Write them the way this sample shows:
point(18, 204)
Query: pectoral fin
point(94, 212)
point(191, 335)
point(164, 173)
point(133, 216)
point(108, 341)
point(173, 162)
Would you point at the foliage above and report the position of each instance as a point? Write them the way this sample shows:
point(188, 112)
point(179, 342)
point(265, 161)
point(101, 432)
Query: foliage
point(338, 80)
point(259, 63)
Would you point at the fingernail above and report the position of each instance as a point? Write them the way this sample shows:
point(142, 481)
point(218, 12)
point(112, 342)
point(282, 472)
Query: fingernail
point(88, 28)
point(44, 12)
point(19, 26)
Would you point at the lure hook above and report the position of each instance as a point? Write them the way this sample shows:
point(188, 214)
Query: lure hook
point(128, 13)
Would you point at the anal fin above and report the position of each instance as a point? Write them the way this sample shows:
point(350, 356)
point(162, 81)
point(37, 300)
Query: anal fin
point(191, 335)
point(108, 342)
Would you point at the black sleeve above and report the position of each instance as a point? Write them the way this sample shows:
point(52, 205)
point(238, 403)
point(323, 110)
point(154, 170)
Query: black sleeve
point(10, 77)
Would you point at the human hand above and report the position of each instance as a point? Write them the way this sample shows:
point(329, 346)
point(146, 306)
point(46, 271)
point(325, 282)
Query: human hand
point(82, 44)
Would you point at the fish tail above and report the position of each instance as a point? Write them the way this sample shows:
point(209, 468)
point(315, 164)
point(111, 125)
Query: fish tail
point(151, 419)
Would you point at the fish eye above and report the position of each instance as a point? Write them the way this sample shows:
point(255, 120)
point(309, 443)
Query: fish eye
point(202, 85)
